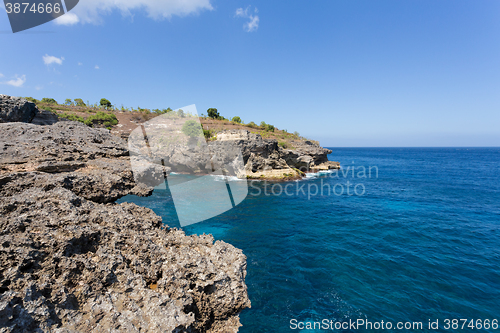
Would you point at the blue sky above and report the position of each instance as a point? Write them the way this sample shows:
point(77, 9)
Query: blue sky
point(348, 73)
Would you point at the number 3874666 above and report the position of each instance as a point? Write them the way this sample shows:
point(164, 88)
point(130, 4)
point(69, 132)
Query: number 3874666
point(25, 7)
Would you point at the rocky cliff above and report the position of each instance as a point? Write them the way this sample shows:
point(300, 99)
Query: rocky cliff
point(237, 153)
point(72, 260)
point(264, 158)
point(162, 142)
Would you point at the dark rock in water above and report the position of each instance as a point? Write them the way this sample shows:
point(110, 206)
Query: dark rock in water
point(71, 260)
point(16, 109)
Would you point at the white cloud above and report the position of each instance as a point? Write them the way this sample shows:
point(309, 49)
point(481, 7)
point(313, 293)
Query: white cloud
point(91, 11)
point(80, 64)
point(1, 75)
point(17, 82)
point(240, 12)
point(253, 23)
point(96, 67)
point(39, 87)
point(52, 60)
point(67, 19)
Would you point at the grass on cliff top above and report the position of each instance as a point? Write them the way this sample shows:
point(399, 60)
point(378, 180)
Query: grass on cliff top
point(284, 138)
point(95, 115)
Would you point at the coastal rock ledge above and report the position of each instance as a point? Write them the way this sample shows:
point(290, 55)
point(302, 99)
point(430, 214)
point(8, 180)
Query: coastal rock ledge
point(72, 260)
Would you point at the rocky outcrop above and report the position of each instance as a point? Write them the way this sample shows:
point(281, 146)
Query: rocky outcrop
point(236, 152)
point(44, 117)
point(16, 109)
point(264, 158)
point(90, 162)
point(72, 260)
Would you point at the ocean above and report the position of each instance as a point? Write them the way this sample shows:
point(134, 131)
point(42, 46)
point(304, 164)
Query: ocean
point(411, 236)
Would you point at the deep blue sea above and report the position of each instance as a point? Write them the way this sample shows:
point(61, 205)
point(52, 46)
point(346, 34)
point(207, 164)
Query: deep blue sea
point(418, 241)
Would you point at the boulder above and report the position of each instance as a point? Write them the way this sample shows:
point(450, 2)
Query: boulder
point(16, 109)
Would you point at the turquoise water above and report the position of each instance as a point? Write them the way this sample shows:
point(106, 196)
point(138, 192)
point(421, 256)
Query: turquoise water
point(422, 243)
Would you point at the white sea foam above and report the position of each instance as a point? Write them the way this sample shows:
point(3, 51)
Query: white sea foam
point(220, 178)
point(319, 173)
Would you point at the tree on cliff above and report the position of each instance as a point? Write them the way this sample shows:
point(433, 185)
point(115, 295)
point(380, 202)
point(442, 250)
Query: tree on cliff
point(105, 103)
point(236, 119)
point(192, 129)
point(49, 100)
point(79, 102)
point(212, 113)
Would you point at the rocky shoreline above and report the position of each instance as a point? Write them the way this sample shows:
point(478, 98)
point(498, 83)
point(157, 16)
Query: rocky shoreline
point(72, 260)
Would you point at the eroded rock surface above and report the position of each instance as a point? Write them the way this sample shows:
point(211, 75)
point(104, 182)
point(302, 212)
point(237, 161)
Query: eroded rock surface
point(71, 260)
point(90, 162)
point(16, 109)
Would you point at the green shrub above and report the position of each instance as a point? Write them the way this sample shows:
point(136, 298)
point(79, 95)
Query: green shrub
point(300, 172)
point(67, 101)
point(269, 128)
point(105, 103)
point(102, 119)
point(283, 144)
point(207, 133)
point(192, 128)
point(32, 100)
point(213, 113)
point(49, 100)
point(72, 117)
point(48, 108)
point(263, 124)
point(236, 120)
point(181, 113)
point(252, 124)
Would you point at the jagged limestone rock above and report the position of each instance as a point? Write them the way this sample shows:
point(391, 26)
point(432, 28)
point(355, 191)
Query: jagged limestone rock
point(71, 260)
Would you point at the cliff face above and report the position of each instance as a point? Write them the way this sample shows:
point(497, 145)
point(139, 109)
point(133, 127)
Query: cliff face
point(71, 260)
point(264, 158)
point(236, 152)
